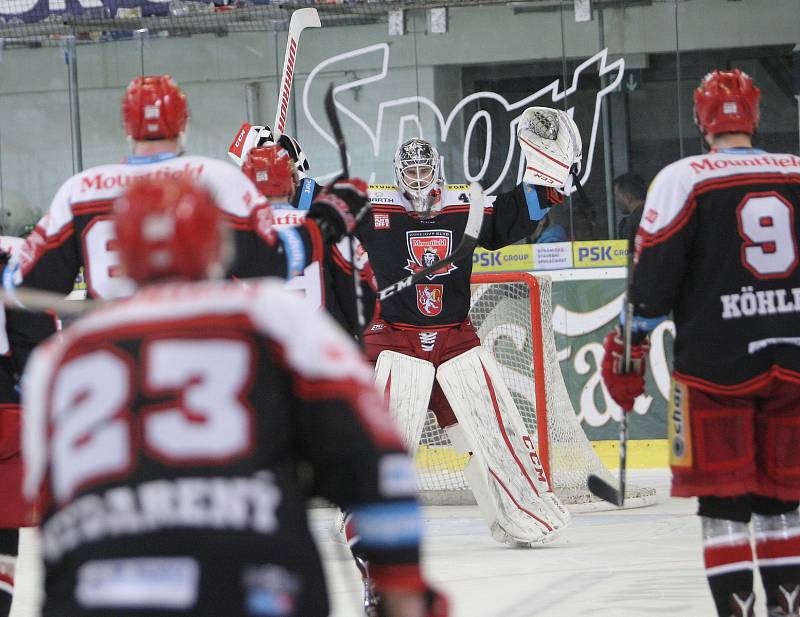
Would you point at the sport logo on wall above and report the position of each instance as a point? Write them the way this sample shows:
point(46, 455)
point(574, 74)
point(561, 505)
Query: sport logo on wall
point(396, 119)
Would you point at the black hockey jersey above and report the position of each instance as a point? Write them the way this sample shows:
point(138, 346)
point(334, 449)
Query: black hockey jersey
point(399, 242)
point(718, 246)
point(329, 281)
point(176, 437)
point(77, 230)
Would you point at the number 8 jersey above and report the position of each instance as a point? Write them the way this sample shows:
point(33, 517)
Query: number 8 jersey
point(77, 230)
point(717, 246)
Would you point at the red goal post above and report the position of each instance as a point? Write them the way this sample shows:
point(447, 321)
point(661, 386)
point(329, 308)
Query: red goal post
point(512, 314)
point(538, 350)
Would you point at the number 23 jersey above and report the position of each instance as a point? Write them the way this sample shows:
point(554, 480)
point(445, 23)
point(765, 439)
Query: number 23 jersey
point(717, 245)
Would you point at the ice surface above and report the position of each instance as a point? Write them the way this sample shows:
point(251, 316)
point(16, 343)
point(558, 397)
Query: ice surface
point(630, 563)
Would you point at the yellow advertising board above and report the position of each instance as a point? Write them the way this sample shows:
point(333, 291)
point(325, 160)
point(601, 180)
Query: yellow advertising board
point(513, 258)
point(600, 253)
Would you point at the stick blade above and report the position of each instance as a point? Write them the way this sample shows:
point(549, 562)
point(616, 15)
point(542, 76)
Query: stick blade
point(304, 18)
point(476, 205)
point(603, 490)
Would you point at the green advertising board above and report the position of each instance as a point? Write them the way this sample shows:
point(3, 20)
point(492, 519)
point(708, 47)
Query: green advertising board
point(586, 305)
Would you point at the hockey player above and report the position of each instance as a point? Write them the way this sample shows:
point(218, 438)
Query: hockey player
point(718, 248)
point(168, 433)
point(279, 172)
point(424, 332)
point(18, 332)
point(77, 232)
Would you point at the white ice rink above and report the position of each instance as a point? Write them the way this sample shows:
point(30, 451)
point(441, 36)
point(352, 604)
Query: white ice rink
point(610, 564)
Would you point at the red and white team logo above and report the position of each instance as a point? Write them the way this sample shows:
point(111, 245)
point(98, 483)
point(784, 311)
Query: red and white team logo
point(381, 220)
point(263, 222)
point(429, 299)
point(428, 247)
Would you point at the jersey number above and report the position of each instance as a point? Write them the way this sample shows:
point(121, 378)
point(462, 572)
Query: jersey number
point(204, 420)
point(101, 260)
point(766, 223)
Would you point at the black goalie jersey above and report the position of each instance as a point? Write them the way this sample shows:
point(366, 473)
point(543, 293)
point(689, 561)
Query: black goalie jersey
point(175, 437)
point(718, 246)
point(399, 243)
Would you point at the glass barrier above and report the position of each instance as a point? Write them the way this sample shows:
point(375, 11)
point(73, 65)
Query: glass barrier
point(458, 74)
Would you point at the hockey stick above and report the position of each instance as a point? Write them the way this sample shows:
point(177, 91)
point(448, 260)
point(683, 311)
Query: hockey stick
point(338, 135)
point(464, 248)
point(37, 301)
point(300, 20)
point(597, 486)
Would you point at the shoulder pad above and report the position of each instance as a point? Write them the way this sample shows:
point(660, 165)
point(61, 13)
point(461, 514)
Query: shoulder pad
point(384, 194)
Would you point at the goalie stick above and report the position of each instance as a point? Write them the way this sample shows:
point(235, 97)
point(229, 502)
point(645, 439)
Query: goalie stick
point(300, 20)
point(338, 135)
point(597, 486)
point(464, 249)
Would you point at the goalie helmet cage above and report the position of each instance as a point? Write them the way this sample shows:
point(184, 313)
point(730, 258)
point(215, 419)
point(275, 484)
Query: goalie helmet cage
point(512, 313)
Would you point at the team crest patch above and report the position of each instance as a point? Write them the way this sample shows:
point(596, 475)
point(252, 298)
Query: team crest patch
point(381, 221)
point(426, 248)
point(429, 299)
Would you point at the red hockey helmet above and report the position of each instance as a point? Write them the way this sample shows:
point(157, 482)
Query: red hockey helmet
point(154, 108)
point(726, 102)
point(168, 229)
point(271, 169)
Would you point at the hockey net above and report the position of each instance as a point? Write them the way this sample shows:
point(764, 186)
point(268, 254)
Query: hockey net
point(513, 316)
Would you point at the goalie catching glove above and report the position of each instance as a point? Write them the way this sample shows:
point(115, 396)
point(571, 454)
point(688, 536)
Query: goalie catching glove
point(624, 387)
point(338, 208)
point(551, 142)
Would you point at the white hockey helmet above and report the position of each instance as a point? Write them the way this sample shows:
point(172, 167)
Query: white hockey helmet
point(417, 167)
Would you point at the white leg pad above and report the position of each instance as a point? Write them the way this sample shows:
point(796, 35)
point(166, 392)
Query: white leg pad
point(519, 505)
point(408, 381)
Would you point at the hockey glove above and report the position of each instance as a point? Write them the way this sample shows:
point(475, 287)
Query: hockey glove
point(624, 387)
point(338, 209)
point(551, 142)
point(254, 136)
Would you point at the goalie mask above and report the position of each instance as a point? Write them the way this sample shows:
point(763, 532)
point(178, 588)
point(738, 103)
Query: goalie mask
point(552, 145)
point(417, 169)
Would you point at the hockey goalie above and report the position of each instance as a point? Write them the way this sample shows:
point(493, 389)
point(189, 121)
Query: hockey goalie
point(427, 354)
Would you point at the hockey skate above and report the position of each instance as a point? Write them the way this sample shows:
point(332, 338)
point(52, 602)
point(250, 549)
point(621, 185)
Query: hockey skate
point(371, 599)
point(501, 535)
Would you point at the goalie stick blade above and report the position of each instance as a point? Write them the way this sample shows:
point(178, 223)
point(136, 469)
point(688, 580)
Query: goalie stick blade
point(603, 490)
point(465, 248)
point(475, 217)
point(300, 20)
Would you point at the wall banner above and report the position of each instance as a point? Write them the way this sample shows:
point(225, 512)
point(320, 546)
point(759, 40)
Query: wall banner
point(512, 258)
point(600, 253)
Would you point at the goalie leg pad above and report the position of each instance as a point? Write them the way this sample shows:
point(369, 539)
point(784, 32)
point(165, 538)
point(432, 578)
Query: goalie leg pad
point(503, 452)
point(407, 382)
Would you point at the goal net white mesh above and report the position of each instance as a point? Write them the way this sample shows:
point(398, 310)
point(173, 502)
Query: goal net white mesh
point(508, 311)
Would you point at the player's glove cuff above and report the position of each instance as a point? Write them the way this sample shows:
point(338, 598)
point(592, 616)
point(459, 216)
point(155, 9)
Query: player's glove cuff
point(333, 216)
point(624, 387)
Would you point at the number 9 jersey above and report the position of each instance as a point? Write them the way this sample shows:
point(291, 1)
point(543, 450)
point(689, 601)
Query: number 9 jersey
point(717, 246)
